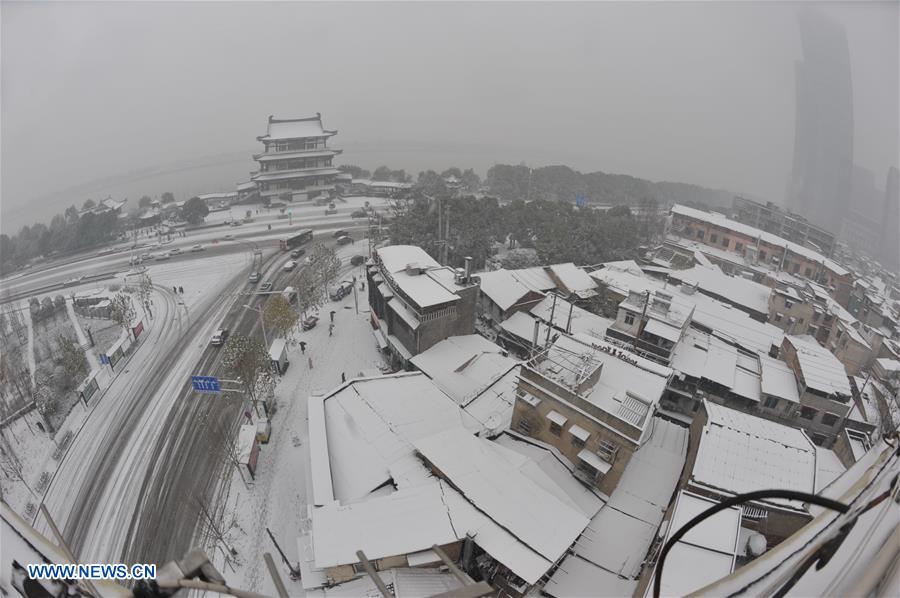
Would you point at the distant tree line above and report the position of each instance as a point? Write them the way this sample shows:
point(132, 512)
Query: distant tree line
point(557, 231)
point(69, 231)
point(561, 183)
point(76, 230)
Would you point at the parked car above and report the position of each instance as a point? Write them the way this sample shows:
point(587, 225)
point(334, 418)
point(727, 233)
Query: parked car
point(339, 233)
point(265, 287)
point(229, 237)
point(162, 256)
point(357, 260)
point(298, 252)
point(359, 214)
point(289, 266)
point(197, 247)
point(345, 240)
point(219, 337)
point(174, 251)
point(310, 322)
point(254, 277)
point(342, 290)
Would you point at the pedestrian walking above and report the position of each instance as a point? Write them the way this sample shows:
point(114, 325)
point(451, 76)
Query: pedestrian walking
point(332, 315)
point(310, 363)
point(343, 377)
point(302, 347)
point(175, 290)
point(331, 330)
point(181, 290)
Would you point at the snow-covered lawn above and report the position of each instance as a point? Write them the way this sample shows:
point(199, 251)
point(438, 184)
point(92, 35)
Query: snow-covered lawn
point(277, 498)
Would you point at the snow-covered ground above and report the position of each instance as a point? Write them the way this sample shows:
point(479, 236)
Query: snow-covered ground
point(304, 214)
point(277, 498)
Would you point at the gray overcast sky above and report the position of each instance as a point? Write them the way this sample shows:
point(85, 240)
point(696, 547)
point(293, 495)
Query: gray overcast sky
point(693, 92)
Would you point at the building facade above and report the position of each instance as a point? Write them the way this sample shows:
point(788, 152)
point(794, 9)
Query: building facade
point(597, 415)
point(763, 249)
point(793, 227)
point(416, 303)
point(297, 163)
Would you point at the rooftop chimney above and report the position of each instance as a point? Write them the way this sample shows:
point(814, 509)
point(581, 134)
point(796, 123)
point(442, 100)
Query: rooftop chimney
point(468, 268)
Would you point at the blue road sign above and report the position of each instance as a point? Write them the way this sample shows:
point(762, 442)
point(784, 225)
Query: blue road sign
point(104, 359)
point(205, 384)
point(580, 201)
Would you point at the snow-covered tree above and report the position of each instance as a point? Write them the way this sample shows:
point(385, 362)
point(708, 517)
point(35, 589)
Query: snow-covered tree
point(245, 359)
point(279, 316)
point(122, 311)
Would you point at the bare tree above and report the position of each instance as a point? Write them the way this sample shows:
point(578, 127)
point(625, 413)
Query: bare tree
point(11, 465)
point(212, 521)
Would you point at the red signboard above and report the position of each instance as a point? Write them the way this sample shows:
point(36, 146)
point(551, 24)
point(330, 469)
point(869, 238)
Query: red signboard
point(138, 329)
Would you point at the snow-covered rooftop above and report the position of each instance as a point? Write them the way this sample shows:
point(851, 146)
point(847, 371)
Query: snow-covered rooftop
point(535, 278)
point(739, 291)
point(521, 326)
point(464, 366)
point(370, 424)
point(738, 227)
point(503, 288)
point(295, 128)
point(821, 370)
point(418, 275)
point(574, 279)
point(706, 553)
point(741, 453)
point(828, 467)
point(628, 386)
point(481, 471)
point(566, 316)
point(777, 379)
point(632, 516)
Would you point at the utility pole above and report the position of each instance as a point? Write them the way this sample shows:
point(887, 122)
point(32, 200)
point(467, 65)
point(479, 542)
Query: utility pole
point(440, 232)
point(643, 313)
point(446, 234)
point(552, 316)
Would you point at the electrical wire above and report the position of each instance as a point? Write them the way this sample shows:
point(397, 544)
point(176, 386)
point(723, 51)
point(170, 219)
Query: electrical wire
point(734, 501)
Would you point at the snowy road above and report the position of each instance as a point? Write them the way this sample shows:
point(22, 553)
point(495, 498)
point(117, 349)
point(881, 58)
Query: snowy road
point(151, 451)
point(95, 495)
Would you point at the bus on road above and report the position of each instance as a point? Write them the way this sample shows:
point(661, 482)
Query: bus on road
point(288, 243)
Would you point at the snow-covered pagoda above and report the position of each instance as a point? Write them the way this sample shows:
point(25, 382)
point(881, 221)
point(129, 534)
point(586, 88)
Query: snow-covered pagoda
point(297, 162)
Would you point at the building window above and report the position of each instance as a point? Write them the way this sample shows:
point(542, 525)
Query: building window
point(524, 426)
point(771, 402)
point(818, 439)
point(713, 238)
point(699, 233)
point(808, 413)
point(788, 304)
point(629, 318)
point(795, 268)
point(829, 419)
point(738, 247)
point(778, 316)
point(577, 442)
point(724, 241)
point(807, 273)
point(762, 255)
point(555, 429)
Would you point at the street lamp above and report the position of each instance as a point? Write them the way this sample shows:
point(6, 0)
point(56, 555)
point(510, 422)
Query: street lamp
point(262, 320)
